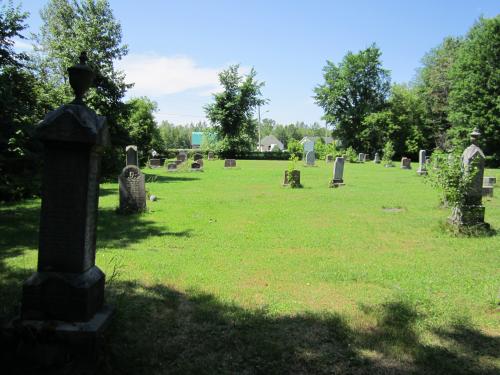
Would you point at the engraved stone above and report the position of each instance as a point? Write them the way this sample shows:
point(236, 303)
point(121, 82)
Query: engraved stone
point(338, 172)
point(361, 157)
point(132, 155)
point(310, 158)
point(132, 190)
point(405, 163)
point(229, 163)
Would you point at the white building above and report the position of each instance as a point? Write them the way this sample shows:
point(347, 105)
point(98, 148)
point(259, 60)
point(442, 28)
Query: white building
point(270, 143)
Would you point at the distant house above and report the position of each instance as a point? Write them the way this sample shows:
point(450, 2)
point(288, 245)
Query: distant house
point(196, 139)
point(270, 143)
point(327, 140)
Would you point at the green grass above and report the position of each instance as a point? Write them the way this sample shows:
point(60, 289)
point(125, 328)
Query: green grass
point(229, 272)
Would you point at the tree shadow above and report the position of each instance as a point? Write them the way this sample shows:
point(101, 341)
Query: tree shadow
point(150, 177)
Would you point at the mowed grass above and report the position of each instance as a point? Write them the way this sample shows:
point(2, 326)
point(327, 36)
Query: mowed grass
point(229, 272)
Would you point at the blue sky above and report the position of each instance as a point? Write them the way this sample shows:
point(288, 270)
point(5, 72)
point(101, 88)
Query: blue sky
point(176, 48)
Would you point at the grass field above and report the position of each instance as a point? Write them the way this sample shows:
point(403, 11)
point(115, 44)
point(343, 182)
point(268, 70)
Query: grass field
point(229, 272)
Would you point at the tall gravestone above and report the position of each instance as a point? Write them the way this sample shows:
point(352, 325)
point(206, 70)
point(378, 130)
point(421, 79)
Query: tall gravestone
point(338, 172)
point(132, 188)
point(422, 168)
point(67, 290)
point(376, 160)
point(310, 158)
point(471, 213)
point(132, 157)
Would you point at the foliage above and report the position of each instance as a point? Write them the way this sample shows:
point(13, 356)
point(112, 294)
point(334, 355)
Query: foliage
point(475, 90)
point(351, 155)
point(448, 177)
point(11, 26)
point(434, 86)
point(141, 126)
point(232, 112)
point(322, 149)
point(295, 148)
point(68, 28)
point(353, 89)
point(388, 153)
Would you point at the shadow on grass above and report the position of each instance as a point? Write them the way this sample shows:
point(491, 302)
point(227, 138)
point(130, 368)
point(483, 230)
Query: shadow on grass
point(150, 177)
point(160, 330)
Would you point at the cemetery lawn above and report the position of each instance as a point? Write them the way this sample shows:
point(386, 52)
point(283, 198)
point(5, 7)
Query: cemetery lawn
point(230, 273)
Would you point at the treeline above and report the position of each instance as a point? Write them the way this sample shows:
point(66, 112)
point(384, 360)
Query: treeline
point(456, 89)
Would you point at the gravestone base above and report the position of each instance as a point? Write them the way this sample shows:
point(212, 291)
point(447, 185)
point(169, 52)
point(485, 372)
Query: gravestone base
point(487, 191)
point(336, 183)
point(405, 167)
point(468, 216)
point(57, 346)
point(422, 172)
point(63, 296)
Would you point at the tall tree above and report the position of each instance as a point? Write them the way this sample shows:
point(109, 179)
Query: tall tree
point(475, 90)
point(232, 112)
point(70, 27)
point(434, 86)
point(353, 89)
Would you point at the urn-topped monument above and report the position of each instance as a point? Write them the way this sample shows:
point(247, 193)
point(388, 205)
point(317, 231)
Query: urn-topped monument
point(68, 288)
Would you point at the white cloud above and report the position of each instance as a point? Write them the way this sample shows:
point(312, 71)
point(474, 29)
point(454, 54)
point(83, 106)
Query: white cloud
point(22, 45)
point(156, 75)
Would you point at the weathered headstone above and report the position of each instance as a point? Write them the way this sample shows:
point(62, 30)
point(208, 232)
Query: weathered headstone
point(200, 162)
point(405, 163)
point(67, 291)
point(195, 166)
point(329, 158)
point(361, 157)
point(229, 163)
point(471, 213)
point(377, 158)
point(210, 155)
point(155, 163)
point(338, 172)
point(182, 156)
point(132, 190)
point(294, 177)
point(310, 158)
point(171, 167)
point(197, 156)
point(132, 155)
point(422, 168)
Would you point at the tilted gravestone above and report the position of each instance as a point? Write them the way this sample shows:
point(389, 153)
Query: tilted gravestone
point(376, 160)
point(67, 290)
point(338, 172)
point(422, 168)
point(405, 163)
point(172, 166)
point(197, 156)
point(472, 212)
point(329, 158)
point(132, 155)
point(132, 190)
point(229, 163)
point(310, 158)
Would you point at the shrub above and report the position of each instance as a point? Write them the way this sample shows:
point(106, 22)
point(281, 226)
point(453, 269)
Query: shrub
point(351, 155)
point(388, 153)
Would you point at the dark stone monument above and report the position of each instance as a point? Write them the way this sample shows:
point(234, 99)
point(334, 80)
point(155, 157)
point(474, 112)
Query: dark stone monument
point(295, 178)
point(195, 166)
point(229, 163)
point(132, 156)
point(197, 156)
point(182, 156)
point(63, 302)
point(471, 213)
point(132, 190)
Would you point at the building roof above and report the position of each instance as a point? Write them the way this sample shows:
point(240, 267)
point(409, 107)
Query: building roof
point(271, 140)
point(327, 140)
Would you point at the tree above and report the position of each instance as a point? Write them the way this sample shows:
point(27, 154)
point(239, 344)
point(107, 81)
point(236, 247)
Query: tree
point(141, 125)
point(434, 86)
point(475, 90)
point(353, 89)
point(68, 28)
point(20, 109)
point(232, 112)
